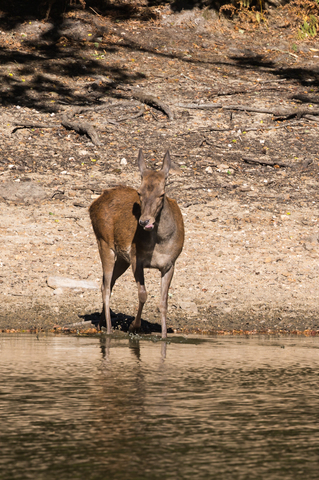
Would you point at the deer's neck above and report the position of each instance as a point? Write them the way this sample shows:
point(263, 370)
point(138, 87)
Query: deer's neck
point(166, 223)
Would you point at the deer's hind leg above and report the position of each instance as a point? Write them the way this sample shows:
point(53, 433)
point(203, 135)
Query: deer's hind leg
point(120, 267)
point(108, 262)
point(112, 270)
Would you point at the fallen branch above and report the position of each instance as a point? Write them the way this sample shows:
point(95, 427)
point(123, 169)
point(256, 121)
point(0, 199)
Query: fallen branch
point(238, 91)
point(284, 125)
point(270, 163)
point(152, 101)
point(251, 129)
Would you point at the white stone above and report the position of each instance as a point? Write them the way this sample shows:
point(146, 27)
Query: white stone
point(63, 282)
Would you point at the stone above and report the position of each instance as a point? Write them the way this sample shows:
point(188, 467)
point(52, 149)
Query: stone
point(27, 193)
point(189, 307)
point(63, 282)
point(58, 291)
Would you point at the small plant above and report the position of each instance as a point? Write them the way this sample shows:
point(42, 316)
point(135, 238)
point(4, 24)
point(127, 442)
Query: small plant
point(303, 15)
point(245, 13)
point(308, 28)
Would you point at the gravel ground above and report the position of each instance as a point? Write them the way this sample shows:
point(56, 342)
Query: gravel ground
point(243, 267)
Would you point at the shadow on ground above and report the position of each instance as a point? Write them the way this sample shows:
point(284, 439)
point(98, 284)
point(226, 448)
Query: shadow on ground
point(43, 63)
point(122, 322)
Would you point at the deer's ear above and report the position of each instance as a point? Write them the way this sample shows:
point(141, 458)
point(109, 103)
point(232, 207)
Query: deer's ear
point(141, 162)
point(166, 164)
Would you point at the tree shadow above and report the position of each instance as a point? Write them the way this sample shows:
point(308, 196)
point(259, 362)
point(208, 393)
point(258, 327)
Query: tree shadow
point(48, 60)
point(300, 74)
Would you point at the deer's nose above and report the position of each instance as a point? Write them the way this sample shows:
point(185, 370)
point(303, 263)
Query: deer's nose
point(143, 223)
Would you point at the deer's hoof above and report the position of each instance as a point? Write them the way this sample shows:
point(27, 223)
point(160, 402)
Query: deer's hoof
point(134, 329)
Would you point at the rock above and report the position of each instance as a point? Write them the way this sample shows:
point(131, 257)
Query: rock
point(189, 307)
point(58, 291)
point(62, 282)
point(22, 192)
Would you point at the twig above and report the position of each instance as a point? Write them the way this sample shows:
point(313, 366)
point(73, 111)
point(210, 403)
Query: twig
point(271, 163)
point(188, 78)
point(255, 129)
point(95, 12)
point(209, 143)
point(273, 81)
point(286, 51)
point(131, 117)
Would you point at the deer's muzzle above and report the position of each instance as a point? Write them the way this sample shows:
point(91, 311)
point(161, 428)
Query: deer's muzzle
point(146, 224)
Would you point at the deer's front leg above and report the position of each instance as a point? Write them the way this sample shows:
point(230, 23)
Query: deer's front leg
point(138, 273)
point(165, 284)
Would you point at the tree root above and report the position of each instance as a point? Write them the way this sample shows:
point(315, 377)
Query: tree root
point(152, 101)
point(81, 128)
point(280, 113)
point(19, 125)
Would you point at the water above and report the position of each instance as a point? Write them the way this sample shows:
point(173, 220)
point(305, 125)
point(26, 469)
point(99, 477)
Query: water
point(216, 408)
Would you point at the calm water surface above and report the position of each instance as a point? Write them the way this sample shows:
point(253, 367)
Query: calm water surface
point(217, 408)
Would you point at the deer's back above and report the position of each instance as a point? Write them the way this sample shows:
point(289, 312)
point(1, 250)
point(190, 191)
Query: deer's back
point(114, 216)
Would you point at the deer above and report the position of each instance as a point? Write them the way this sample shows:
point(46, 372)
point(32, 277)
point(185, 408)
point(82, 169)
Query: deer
point(143, 228)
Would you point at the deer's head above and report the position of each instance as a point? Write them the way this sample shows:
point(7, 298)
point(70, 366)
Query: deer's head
point(152, 191)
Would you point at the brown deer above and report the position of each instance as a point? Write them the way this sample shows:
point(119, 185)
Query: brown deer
point(141, 228)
